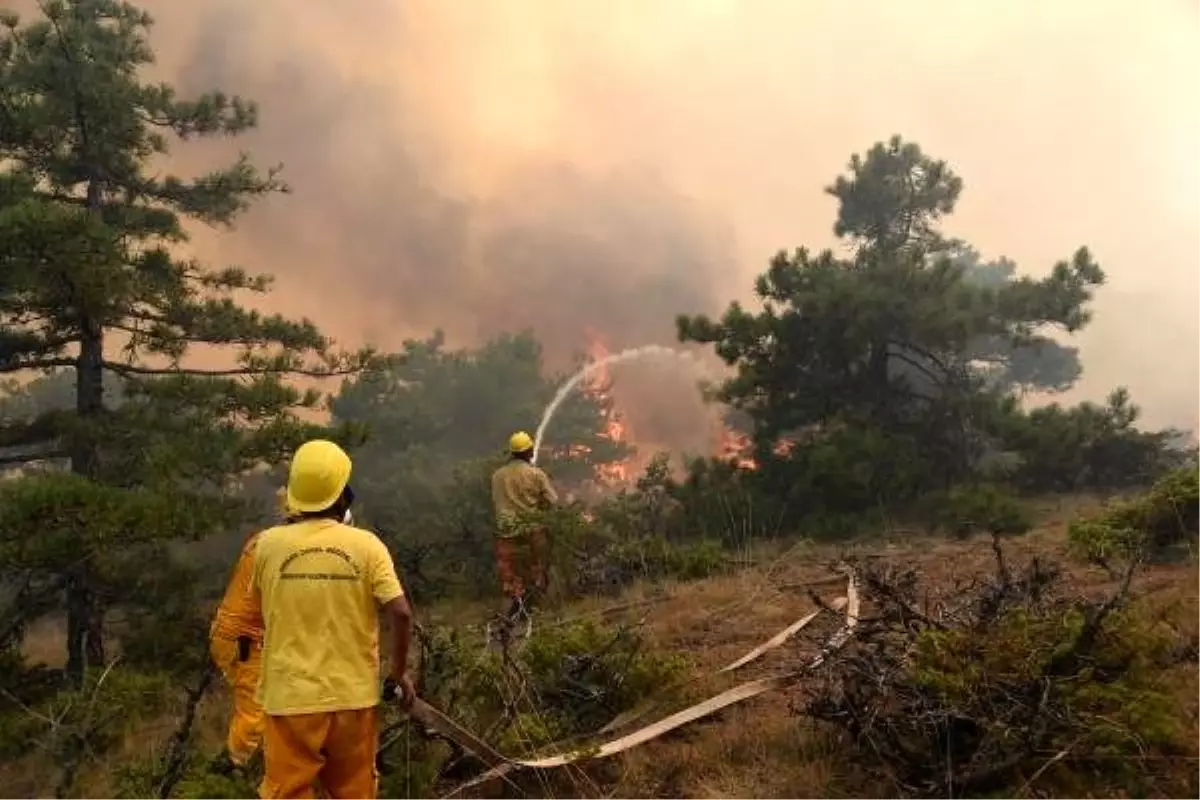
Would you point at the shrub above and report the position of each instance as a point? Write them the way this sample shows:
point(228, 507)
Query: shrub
point(1090, 447)
point(973, 508)
point(567, 681)
point(77, 728)
point(1147, 526)
point(987, 688)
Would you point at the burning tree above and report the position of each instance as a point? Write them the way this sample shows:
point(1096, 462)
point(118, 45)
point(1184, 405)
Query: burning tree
point(599, 389)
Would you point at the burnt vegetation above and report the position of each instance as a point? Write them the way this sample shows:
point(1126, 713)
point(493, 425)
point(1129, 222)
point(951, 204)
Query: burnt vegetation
point(875, 393)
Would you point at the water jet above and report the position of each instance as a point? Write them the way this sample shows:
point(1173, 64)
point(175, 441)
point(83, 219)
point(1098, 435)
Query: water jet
point(589, 369)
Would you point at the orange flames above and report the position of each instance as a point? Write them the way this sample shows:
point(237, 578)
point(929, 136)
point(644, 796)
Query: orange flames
point(731, 445)
point(614, 473)
point(735, 446)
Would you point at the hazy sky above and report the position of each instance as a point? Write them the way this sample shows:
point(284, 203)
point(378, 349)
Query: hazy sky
point(606, 164)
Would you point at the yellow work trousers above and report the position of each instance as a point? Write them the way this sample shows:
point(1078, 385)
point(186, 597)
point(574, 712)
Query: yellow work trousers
point(241, 667)
point(332, 750)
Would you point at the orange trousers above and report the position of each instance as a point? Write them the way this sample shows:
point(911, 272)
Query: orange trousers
point(246, 724)
point(520, 557)
point(332, 750)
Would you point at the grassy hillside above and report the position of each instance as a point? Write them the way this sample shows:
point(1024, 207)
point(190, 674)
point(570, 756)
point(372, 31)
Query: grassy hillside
point(685, 632)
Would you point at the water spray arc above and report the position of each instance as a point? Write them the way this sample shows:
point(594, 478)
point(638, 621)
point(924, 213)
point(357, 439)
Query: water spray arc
point(632, 354)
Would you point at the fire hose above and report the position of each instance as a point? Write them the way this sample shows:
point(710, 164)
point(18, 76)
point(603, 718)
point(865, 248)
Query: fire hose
point(500, 765)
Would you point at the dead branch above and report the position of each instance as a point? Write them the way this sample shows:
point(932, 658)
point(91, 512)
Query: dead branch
point(177, 749)
point(919, 695)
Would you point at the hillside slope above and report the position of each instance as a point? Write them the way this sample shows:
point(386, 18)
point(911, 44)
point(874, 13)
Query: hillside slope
point(761, 748)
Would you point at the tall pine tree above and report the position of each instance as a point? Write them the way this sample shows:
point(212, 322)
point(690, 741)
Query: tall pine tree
point(898, 344)
point(94, 281)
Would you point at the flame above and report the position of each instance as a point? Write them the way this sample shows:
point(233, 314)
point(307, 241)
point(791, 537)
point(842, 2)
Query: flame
point(735, 446)
point(732, 446)
point(615, 430)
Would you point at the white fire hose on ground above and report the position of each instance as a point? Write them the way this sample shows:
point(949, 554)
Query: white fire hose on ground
point(500, 765)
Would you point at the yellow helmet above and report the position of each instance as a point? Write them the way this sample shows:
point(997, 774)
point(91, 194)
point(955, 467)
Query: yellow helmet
point(320, 471)
point(520, 442)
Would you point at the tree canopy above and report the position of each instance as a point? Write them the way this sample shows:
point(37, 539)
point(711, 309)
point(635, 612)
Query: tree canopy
point(95, 280)
point(901, 336)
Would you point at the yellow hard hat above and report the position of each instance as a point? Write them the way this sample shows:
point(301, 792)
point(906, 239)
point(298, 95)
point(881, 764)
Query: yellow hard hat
point(520, 442)
point(320, 471)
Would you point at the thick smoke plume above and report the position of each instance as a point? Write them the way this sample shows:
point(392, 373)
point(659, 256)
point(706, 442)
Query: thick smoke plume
point(575, 165)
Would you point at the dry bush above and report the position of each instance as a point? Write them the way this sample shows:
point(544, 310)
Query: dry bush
point(1012, 683)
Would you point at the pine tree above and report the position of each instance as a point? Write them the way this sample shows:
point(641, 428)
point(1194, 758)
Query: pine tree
point(94, 280)
point(897, 345)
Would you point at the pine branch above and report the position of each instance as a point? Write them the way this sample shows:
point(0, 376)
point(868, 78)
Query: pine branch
point(57, 451)
point(128, 370)
point(18, 365)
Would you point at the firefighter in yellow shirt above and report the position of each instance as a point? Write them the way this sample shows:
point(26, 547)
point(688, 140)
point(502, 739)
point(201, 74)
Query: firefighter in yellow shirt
point(519, 490)
point(321, 584)
point(235, 644)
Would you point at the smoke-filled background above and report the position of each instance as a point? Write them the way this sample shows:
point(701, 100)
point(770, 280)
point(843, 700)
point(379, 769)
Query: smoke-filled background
point(601, 165)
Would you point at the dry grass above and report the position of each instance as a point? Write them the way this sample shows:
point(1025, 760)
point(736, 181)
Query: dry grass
point(761, 749)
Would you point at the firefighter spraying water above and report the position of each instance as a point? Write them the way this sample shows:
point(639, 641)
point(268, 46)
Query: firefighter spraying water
point(520, 492)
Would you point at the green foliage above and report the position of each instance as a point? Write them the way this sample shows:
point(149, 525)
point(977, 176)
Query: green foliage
point(888, 338)
point(47, 521)
point(894, 196)
point(1145, 526)
point(96, 285)
point(873, 380)
point(568, 681)
point(1089, 447)
point(712, 502)
point(450, 406)
point(80, 131)
point(447, 549)
point(1040, 363)
point(78, 728)
point(210, 785)
point(986, 508)
point(142, 778)
point(585, 674)
point(1111, 706)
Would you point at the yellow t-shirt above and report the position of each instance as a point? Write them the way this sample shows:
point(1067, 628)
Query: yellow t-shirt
point(320, 584)
point(519, 488)
point(238, 614)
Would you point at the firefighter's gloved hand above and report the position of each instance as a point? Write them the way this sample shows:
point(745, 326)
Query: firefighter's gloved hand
point(399, 690)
